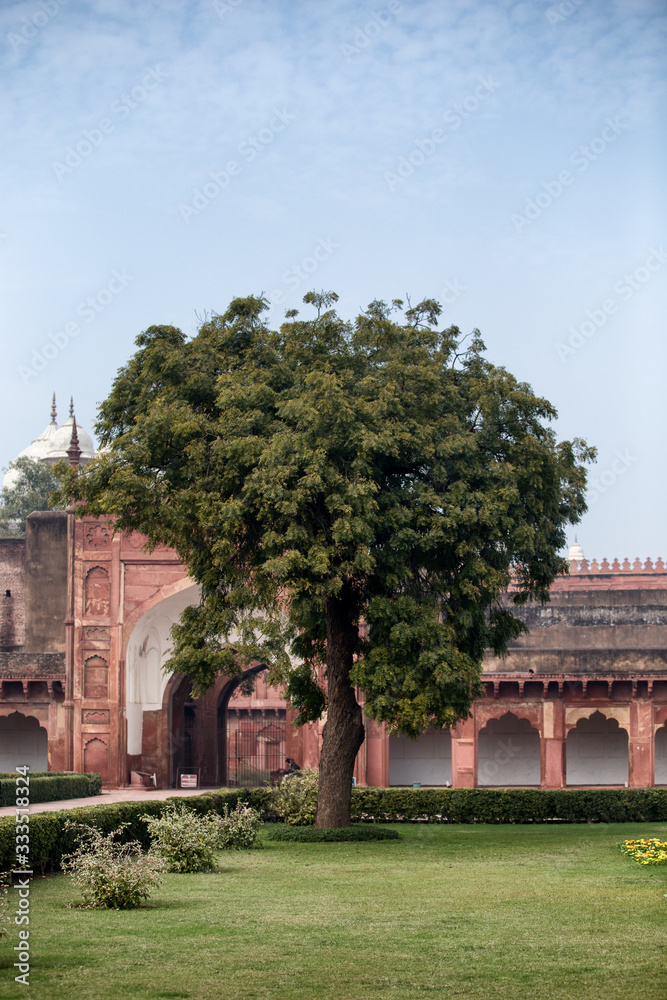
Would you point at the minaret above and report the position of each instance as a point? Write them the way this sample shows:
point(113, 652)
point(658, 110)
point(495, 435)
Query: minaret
point(74, 451)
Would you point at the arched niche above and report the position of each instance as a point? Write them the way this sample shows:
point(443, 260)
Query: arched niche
point(508, 752)
point(96, 758)
point(661, 756)
point(96, 678)
point(428, 759)
point(23, 742)
point(96, 593)
point(597, 752)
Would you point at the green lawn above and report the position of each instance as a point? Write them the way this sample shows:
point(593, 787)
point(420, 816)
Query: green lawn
point(507, 912)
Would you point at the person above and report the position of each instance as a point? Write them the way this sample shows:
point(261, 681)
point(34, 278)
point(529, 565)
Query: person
point(292, 766)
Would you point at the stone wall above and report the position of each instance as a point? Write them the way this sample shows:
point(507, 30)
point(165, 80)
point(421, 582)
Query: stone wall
point(46, 581)
point(12, 593)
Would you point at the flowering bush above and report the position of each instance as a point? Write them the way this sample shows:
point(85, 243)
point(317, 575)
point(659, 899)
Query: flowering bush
point(295, 798)
point(110, 874)
point(237, 830)
point(185, 840)
point(646, 852)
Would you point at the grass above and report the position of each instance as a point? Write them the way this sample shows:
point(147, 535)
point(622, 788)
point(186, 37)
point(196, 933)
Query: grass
point(474, 912)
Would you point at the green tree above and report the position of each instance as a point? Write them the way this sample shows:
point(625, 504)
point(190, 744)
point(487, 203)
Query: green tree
point(34, 486)
point(353, 498)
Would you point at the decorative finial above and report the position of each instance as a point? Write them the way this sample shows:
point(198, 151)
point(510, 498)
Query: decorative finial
point(53, 409)
point(71, 406)
point(74, 451)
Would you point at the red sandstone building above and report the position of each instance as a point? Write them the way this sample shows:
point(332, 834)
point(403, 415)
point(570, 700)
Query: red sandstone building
point(84, 633)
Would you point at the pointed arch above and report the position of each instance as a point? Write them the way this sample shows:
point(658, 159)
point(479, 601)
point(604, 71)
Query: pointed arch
point(597, 752)
point(23, 741)
point(508, 752)
point(660, 747)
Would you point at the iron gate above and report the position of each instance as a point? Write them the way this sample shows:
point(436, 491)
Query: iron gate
point(255, 749)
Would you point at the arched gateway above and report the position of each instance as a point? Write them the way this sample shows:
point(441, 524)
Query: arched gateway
point(230, 735)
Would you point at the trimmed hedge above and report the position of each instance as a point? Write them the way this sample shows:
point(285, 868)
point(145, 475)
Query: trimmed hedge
point(37, 774)
point(518, 805)
point(50, 787)
point(311, 835)
point(49, 840)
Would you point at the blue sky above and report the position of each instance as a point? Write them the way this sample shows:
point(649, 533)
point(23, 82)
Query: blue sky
point(506, 158)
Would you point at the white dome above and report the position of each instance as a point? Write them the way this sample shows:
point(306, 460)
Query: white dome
point(62, 439)
point(52, 444)
point(576, 552)
point(37, 449)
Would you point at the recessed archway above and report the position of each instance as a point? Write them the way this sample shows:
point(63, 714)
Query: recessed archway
point(661, 756)
point(597, 752)
point(148, 649)
point(428, 759)
point(23, 742)
point(508, 752)
point(251, 742)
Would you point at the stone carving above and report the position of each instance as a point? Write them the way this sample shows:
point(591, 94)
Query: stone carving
point(135, 540)
point(97, 592)
point(91, 716)
point(97, 536)
point(96, 633)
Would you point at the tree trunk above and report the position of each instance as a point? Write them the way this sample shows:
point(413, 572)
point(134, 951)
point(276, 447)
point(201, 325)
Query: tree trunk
point(343, 731)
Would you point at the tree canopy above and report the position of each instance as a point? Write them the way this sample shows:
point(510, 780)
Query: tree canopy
point(354, 499)
point(35, 483)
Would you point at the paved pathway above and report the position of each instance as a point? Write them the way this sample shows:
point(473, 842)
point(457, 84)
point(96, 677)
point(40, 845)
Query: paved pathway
point(109, 795)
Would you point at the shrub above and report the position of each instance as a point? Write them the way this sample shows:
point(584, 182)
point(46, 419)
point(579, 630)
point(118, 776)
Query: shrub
point(311, 835)
point(237, 830)
point(111, 874)
point(184, 839)
point(295, 798)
